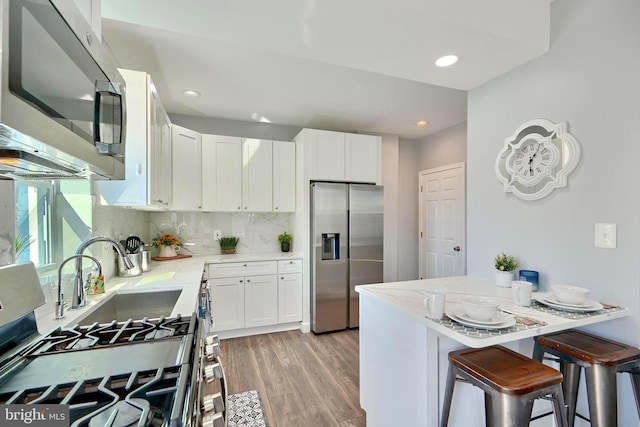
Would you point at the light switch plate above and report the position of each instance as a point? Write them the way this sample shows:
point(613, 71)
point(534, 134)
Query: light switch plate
point(217, 234)
point(605, 235)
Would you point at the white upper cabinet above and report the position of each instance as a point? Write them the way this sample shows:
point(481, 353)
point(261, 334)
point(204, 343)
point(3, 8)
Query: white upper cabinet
point(247, 175)
point(257, 175)
point(147, 183)
point(186, 152)
point(337, 156)
point(284, 176)
point(91, 11)
point(221, 173)
point(325, 150)
point(362, 158)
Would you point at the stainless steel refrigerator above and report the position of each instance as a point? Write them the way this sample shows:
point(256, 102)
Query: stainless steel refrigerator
point(346, 250)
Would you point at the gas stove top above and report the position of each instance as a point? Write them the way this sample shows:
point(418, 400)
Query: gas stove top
point(133, 373)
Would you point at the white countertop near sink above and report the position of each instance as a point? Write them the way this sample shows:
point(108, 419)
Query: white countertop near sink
point(185, 273)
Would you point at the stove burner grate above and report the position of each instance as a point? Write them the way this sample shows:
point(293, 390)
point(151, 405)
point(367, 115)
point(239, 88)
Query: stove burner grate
point(114, 333)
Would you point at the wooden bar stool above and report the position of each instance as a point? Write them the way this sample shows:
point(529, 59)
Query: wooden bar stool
point(601, 359)
point(510, 382)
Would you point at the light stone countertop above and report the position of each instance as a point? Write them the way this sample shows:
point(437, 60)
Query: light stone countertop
point(407, 298)
point(185, 274)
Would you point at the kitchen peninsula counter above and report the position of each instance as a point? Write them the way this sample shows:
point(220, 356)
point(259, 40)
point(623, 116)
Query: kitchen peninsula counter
point(403, 355)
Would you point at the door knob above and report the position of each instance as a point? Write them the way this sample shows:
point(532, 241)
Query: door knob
point(456, 248)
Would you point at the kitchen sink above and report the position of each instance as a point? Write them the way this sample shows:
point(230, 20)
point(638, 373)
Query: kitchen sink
point(132, 305)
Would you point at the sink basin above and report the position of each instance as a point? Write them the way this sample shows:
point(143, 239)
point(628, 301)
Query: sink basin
point(124, 306)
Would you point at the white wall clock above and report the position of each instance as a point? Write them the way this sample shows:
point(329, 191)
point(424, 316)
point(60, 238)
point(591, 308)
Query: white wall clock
point(537, 159)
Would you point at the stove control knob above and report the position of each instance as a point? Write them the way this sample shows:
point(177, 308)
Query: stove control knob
point(212, 351)
point(212, 339)
point(213, 403)
point(213, 371)
point(213, 420)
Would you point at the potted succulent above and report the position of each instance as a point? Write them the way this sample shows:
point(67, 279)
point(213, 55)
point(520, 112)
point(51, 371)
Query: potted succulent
point(285, 241)
point(228, 244)
point(505, 266)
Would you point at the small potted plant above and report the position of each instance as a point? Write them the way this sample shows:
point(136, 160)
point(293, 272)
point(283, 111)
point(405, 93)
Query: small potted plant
point(168, 244)
point(228, 244)
point(285, 241)
point(505, 266)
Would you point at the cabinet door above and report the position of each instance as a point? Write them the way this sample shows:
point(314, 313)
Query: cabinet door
point(165, 171)
point(261, 301)
point(257, 175)
point(290, 297)
point(221, 173)
point(362, 158)
point(155, 152)
point(326, 155)
point(186, 166)
point(284, 176)
point(227, 298)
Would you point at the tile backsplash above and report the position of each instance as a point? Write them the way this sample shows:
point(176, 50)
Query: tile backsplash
point(258, 232)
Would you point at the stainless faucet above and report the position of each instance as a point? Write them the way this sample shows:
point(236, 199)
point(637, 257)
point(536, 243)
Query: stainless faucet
point(78, 299)
point(60, 303)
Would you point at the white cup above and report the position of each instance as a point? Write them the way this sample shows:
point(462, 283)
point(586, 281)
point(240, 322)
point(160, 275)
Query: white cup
point(434, 303)
point(521, 292)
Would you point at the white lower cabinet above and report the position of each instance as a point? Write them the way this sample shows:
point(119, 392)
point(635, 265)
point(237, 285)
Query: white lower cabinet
point(227, 297)
point(260, 301)
point(255, 294)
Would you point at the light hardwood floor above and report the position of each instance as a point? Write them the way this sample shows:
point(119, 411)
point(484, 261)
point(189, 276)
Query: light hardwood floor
point(303, 379)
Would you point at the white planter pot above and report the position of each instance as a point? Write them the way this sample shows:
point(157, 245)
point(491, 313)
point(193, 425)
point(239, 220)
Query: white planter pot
point(504, 278)
point(167, 252)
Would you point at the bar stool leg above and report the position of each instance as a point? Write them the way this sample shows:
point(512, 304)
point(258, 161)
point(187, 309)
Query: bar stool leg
point(635, 382)
point(559, 408)
point(448, 396)
point(603, 395)
point(570, 385)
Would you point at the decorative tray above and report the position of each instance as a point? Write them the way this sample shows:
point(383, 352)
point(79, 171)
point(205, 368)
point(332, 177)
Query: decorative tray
point(179, 256)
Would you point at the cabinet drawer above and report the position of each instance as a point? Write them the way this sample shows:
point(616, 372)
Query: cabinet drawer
point(234, 269)
point(290, 266)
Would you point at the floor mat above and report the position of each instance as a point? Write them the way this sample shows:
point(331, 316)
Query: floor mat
point(245, 410)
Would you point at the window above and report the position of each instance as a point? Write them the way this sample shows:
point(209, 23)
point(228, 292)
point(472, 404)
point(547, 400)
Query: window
point(52, 218)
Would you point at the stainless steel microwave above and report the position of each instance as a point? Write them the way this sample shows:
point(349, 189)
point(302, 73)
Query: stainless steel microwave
point(62, 100)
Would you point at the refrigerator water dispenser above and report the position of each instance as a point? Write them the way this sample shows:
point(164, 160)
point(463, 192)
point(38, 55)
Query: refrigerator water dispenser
point(330, 246)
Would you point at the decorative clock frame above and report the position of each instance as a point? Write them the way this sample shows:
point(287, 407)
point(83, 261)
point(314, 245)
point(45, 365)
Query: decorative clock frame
point(519, 165)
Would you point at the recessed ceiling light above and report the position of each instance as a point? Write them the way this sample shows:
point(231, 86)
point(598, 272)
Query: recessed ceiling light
point(422, 123)
point(446, 60)
point(191, 93)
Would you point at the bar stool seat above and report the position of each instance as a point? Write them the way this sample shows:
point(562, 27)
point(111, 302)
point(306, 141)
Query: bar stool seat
point(510, 382)
point(601, 360)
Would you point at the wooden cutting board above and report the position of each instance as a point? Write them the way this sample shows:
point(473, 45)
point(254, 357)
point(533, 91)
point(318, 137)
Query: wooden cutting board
point(179, 256)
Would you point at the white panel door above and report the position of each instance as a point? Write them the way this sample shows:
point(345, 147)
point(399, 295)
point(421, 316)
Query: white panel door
point(290, 297)
point(442, 222)
point(227, 298)
point(261, 300)
point(257, 175)
point(284, 176)
point(186, 150)
point(221, 173)
point(326, 155)
point(362, 158)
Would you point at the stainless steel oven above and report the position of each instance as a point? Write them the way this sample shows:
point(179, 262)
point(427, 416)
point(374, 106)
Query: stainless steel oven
point(62, 100)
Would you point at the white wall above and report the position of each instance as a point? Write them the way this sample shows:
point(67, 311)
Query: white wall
point(390, 180)
point(444, 148)
point(217, 126)
point(589, 78)
point(408, 210)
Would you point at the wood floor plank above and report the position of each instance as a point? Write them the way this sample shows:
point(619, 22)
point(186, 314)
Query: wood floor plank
point(303, 379)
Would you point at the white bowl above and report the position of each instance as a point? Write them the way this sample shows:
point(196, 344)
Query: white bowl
point(479, 308)
point(570, 294)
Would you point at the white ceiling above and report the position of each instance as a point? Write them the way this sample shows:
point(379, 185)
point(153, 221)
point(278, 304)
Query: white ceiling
point(353, 65)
